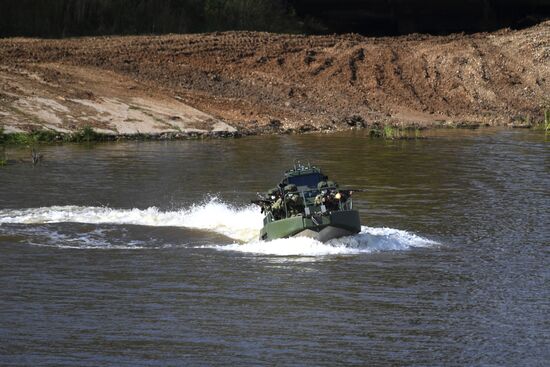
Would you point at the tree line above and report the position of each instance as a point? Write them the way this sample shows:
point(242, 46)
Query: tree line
point(68, 18)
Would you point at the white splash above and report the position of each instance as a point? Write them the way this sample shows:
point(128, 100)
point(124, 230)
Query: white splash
point(240, 224)
point(367, 241)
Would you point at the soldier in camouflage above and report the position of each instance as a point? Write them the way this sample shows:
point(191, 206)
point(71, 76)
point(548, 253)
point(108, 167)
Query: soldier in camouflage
point(293, 200)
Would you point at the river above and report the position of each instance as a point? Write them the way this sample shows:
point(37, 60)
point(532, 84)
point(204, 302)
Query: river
point(146, 254)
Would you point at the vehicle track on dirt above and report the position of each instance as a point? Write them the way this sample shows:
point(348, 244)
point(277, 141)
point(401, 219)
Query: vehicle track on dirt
point(270, 83)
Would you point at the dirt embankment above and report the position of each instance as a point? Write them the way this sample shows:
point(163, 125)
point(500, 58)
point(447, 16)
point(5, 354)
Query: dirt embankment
point(243, 82)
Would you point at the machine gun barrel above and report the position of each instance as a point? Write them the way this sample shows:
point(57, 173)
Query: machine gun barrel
point(261, 202)
point(355, 190)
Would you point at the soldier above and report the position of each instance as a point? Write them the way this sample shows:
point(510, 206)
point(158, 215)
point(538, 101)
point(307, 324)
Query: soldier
point(332, 198)
point(277, 208)
point(266, 202)
point(294, 202)
point(273, 193)
point(320, 198)
point(271, 197)
point(338, 198)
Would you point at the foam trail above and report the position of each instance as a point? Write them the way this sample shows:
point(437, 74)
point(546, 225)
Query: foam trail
point(367, 241)
point(241, 224)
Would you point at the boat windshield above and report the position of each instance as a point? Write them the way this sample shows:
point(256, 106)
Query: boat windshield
point(310, 180)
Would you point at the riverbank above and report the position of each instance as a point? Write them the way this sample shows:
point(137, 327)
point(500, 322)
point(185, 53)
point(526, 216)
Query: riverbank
point(245, 83)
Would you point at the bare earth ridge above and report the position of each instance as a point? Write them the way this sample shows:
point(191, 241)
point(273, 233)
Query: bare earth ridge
point(246, 82)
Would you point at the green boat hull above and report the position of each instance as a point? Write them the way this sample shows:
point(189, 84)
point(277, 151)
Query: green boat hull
point(322, 227)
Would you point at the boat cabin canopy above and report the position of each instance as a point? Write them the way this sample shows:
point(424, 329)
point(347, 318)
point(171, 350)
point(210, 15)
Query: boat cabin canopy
point(303, 176)
point(310, 180)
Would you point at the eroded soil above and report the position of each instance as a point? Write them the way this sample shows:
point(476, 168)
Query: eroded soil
point(260, 82)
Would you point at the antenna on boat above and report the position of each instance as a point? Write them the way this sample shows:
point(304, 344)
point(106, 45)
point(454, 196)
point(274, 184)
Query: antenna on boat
point(299, 166)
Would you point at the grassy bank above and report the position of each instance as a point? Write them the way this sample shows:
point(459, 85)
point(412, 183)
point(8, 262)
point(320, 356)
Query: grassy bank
point(395, 133)
point(86, 134)
point(3, 158)
point(545, 124)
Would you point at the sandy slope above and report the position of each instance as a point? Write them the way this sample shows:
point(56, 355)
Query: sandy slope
point(260, 82)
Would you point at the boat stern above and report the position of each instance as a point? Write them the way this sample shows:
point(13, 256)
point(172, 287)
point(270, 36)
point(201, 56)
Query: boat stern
point(322, 227)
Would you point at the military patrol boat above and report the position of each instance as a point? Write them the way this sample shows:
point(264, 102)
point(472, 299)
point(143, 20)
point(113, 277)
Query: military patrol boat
point(306, 204)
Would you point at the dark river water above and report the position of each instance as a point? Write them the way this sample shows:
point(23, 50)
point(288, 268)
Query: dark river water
point(145, 254)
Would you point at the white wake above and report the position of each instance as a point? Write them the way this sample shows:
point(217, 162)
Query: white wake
point(367, 241)
point(241, 224)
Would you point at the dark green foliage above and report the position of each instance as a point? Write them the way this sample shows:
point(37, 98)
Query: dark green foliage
point(394, 133)
point(44, 136)
point(545, 123)
point(65, 18)
point(39, 136)
point(17, 139)
point(3, 159)
point(86, 134)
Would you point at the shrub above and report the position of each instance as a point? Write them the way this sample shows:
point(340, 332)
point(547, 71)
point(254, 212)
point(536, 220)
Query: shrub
point(3, 159)
point(86, 134)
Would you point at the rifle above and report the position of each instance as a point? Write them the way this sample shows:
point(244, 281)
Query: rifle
point(355, 190)
point(261, 202)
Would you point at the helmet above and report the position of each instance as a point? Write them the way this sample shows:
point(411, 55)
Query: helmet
point(321, 185)
point(291, 188)
point(331, 184)
point(273, 191)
